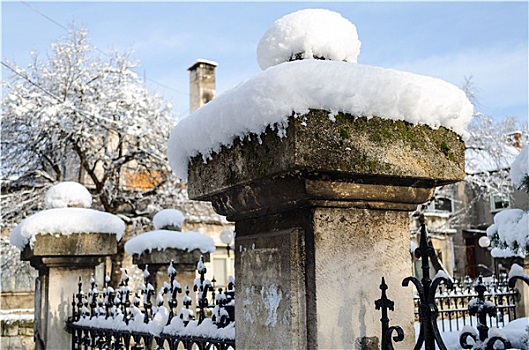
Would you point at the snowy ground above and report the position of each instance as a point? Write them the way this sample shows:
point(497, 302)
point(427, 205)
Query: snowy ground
point(516, 331)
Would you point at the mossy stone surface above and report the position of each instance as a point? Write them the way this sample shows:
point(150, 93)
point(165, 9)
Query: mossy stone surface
point(357, 149)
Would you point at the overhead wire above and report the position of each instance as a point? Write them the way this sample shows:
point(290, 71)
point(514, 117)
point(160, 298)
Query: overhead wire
point(44, 15)
point(98, 49)
point(30, 81)
point(58, 99)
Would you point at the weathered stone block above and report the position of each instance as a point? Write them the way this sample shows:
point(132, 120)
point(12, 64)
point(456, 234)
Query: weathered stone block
point(311, 277)
point(349, 146)
point(61, 261)
point(76, 244)
point(271, 294)
point(182, 259)
point(522, 305)
point(320, 159)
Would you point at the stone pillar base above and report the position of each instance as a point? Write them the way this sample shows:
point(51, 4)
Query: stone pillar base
point(312, 280)
point(61, 260)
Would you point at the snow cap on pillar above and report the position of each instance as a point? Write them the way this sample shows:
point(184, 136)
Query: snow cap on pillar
point(168, 219)
point(167, 235)
point(68, 195)
point(67, 212)
point(309, 61)
point(305, 35)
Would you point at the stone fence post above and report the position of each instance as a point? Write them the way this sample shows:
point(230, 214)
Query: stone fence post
point(64, 242)
point(522, 306)
point(61, 260)
point(184, 262)
point(321, 216)
point(167, 243)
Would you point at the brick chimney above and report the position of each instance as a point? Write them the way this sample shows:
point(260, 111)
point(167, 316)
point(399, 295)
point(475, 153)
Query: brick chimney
point(201, 83)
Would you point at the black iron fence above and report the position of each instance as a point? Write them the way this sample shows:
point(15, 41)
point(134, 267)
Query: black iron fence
point(479, 303)
point(123, 319)
point(452, 305)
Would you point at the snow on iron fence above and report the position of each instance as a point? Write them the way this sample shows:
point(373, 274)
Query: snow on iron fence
point(492, 301)
point(107, 319)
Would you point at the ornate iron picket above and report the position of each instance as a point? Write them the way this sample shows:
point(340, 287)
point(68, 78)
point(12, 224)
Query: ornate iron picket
point(384, 304)
point(429, 334)
point(482, 308)
point(108, 320)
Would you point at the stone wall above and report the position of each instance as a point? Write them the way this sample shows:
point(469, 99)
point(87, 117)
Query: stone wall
point(16, 333)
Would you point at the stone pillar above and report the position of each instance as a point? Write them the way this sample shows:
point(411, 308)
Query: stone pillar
point(201, 83)
point(522, 305)
point(184, 262)
point(61, 260)
point(321, 216)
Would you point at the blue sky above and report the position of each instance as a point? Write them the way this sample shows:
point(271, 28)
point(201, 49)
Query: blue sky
point(448, 40)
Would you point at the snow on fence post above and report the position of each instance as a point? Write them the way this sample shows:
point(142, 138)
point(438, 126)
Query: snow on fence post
point(318, 162)
point(64, 243)
point(154, 250)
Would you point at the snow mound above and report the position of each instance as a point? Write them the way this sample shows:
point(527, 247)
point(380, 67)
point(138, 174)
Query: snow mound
point(520, 167)
point(65, 221)
point(165, 239)
point(271, 97)
point(168, 218)
point(510, 233)
point(310, 33)
point(206, 329)
point(517, 331)
point(516, 271)
point(68, 194)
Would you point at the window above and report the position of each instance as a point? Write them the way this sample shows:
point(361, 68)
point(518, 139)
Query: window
point(219, 270)
point(222, 269)
point(444, 204)
point(498, 203)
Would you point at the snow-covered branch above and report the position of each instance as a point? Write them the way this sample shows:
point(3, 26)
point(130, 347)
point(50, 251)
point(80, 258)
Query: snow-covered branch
point(83, 117)
point(489, 153)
